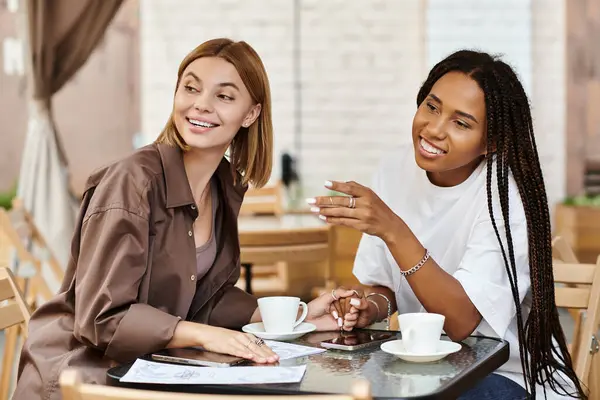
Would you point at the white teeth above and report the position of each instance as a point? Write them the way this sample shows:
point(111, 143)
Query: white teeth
point(201, 123)
point(429, 148)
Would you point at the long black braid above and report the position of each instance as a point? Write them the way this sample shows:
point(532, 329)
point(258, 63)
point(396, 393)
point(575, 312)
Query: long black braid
point(510, 138)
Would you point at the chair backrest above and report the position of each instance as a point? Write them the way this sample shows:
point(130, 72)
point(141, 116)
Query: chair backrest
point(73, 389)
point(14, 320)
point(581, 292)
point(13, 310)
point(264, 201)
point(562, 251)
point(31, 252)
point(37, 239)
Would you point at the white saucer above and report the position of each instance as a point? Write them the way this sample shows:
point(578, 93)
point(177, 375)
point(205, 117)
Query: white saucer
point(444, 347)
point(258, 330)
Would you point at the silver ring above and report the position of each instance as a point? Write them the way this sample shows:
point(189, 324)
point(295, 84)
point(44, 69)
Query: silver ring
point(333, 294)
point(259, 342)
point(356, 293)
point(352, 202)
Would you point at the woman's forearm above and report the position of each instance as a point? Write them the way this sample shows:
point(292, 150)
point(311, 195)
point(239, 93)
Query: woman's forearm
point(381, 308)
point(438, 291)
point(185, 335)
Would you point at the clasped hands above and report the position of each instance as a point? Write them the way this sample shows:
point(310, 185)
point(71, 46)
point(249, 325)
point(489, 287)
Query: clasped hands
point(350, 309)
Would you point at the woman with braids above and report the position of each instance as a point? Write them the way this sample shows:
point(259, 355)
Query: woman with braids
point(458, 224)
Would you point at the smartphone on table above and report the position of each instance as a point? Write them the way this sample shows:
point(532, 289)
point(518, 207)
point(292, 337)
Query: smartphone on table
point(198, 357)
point(357, 340)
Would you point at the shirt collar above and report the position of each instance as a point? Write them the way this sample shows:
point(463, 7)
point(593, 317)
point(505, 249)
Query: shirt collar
point(179, 192)
point(176, 181)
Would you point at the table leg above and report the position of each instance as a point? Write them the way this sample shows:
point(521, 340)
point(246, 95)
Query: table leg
point(248, 275)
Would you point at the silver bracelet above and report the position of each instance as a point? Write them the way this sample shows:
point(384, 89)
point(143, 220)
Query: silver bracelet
point(376, 306)
point(418, 266)
point(389, 308)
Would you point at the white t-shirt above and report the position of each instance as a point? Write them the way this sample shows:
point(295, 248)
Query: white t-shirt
point(454, 224)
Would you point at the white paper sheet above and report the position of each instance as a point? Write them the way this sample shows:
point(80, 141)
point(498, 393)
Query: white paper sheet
point(143, 371)
point(285, 351)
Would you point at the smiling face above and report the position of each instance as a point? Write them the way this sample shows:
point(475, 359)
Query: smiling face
point(211, 104)
point(449, 130)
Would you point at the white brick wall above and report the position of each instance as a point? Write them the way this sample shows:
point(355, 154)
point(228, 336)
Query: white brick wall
point(171, 29)
point(361, 69)
point(498, 27)
point(361, 66)
point(548, 96)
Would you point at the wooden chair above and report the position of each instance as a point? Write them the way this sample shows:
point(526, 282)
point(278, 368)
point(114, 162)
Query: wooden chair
point(583, 293)
point(302, 253)
point(563, 253)
point(73, 389)
point(14, 318)
point(267, 200)
point(35, 262)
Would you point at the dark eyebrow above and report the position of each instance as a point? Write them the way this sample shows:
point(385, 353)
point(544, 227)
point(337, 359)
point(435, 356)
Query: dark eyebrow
point(461, 113)
point(468, 116)
point(434, 97)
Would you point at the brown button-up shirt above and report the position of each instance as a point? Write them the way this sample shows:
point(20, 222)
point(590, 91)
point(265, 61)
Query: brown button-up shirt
point(132, 274)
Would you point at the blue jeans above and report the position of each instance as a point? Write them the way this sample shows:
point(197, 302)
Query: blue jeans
point(495, 387)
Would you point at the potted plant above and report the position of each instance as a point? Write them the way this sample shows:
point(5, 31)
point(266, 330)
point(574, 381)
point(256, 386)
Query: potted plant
point(577, 219)
point(7, 197)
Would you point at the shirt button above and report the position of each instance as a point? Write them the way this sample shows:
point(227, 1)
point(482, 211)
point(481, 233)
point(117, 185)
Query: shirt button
point(193, 277)
point(193, 207)
point(190, 233)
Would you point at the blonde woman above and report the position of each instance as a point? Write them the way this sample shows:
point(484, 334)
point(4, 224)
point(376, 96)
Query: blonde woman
point(155, 255)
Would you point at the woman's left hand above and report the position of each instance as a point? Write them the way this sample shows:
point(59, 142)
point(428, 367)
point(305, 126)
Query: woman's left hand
point(321, 308)
point(362, 210)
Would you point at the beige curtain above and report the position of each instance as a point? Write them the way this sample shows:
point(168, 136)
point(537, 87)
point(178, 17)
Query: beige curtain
point(61, 36)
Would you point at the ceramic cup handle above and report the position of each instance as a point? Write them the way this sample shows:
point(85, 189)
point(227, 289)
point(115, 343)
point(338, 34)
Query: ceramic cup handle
point(304, 314)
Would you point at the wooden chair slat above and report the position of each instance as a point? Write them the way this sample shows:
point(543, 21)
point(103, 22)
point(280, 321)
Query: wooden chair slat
point(40, 288)
point(297, 254)
point(6, 291)
point(10, 315)
point(563, 254)
point(37, 235)
point(14, 320)
point(572, 297)
point(562, 251)
point(574, 273)
point(585, 356)
point(266, 200)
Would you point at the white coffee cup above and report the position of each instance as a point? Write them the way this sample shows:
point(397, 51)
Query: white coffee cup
point(279, 313)
point(421, 332)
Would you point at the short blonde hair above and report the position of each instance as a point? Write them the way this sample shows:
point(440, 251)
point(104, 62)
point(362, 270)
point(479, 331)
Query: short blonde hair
point(251, 150)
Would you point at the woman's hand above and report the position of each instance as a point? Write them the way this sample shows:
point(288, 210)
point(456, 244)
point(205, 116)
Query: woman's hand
point(362, 313)
point(342, 310)
point(362, 210)
point(224, 341)
point(323, 314)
